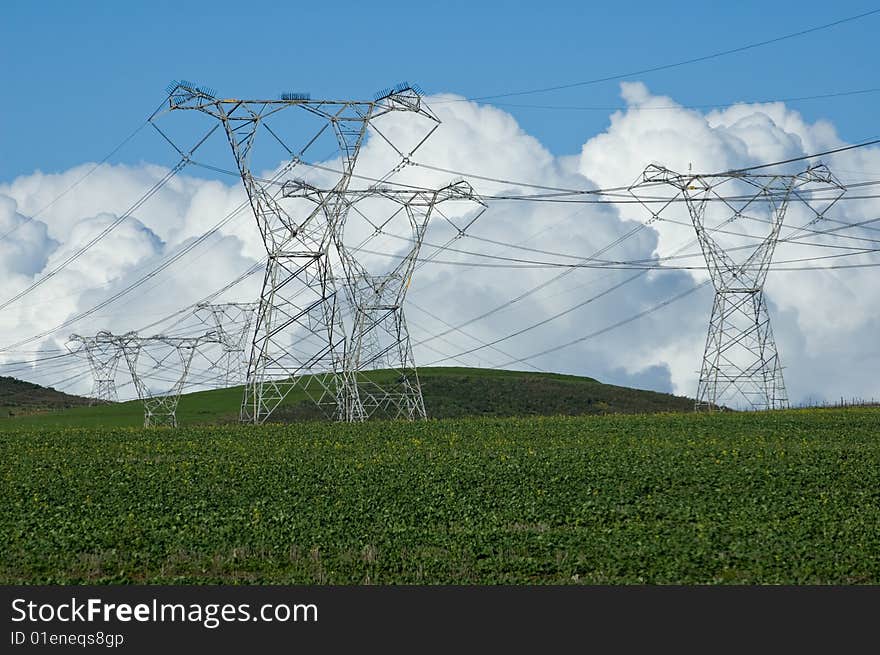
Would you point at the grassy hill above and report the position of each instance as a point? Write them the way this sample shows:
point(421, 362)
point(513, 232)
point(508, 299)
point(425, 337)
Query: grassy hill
point(448, 393)
point(18, 398)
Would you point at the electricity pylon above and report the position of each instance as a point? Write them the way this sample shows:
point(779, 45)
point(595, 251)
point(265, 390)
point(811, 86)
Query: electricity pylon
point(154, 356)
point(741, 366)
point(232, 322)
point(378, 337)
point(299, 337)
point(103, 353)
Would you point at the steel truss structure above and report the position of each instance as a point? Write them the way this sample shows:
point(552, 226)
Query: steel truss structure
point(300, 337)
point(103, 352)
point(232, 323)
point(377, 330)
point(741, 367)
point(148, 355)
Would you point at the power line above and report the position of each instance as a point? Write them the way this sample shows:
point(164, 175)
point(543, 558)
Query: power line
point(717, 105)
point(563, 192)
point(834, 151)
point(466, 334)
point(606, 191)
point(131, 287)
point(103, 233)
point(685, 62)
point(652, 263)
point(613, 326)
point(568, 269)
point(441, 248)
point(78, 181)
point(542, 285)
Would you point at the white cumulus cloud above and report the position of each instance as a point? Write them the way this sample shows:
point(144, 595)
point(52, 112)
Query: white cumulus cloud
point(823, 320)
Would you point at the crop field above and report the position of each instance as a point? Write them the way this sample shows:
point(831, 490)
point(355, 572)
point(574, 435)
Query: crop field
point(782, 497)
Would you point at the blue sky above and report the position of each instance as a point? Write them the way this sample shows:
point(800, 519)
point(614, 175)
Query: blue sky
point(79, 76)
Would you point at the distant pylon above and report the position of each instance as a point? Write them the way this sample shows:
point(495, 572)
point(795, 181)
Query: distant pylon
point(232, 323)
point(103, 353)
point(741, 365)
point(150, 357)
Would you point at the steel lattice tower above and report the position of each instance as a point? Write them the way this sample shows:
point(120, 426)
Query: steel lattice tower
point(299, 339)
point(158, 353)
point(103, 353)
point(741, 365)
point(232, 322)
point(377, 330)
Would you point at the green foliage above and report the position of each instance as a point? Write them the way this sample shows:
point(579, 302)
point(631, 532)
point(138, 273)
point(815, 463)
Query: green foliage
point(781, 497)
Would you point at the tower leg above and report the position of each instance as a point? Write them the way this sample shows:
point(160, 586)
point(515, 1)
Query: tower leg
point(412, 403)
point(741, 366)
point(382, 342)
point(299, 341)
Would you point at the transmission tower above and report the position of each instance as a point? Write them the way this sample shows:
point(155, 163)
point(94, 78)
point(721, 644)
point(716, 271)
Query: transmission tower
point(378, 337)
point(150, 358)
point(741, 366)
point(299, 337)
point(103, 353)
point(231, 322)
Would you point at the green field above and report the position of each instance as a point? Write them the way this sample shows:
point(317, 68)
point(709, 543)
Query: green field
point(781, 497)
